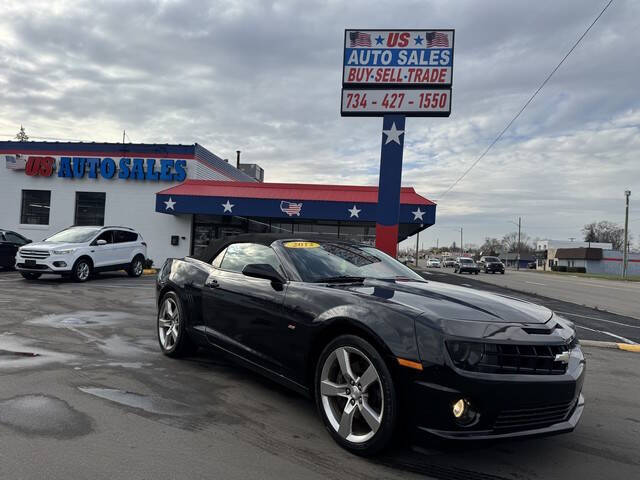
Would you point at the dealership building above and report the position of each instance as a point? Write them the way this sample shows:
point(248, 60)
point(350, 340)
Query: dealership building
point(178, 197)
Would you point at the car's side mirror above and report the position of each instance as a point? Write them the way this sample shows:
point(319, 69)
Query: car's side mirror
point(263, 270)
point(101, 242)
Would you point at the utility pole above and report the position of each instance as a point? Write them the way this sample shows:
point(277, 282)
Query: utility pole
point(625, 255)
point(519, 225)
point(417, 239)
point(461, 247)
point(438, 244)
point(123, 134)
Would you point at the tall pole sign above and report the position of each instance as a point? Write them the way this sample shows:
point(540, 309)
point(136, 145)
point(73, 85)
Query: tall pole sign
point(395, 74)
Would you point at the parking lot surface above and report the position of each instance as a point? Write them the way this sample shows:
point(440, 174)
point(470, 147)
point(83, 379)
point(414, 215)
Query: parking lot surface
point(87, 394)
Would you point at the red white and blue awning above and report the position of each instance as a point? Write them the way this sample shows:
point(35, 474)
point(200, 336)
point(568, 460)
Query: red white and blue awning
point(289, 201)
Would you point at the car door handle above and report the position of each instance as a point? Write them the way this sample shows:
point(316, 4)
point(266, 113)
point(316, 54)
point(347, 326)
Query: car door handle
point(211, 283)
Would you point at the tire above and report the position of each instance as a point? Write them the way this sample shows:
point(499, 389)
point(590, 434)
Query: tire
point(476, 272)
point(171, 318)
point(30, 275)
point(502, 272)
point(362, 434)
point(136, 267)
point(81, 270)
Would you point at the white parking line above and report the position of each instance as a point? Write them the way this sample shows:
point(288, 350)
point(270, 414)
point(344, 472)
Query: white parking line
point(599, 319)
point(535, 283)
point(625, 340)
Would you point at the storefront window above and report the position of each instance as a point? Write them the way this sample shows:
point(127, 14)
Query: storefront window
point(36, 205)
point(90, 208)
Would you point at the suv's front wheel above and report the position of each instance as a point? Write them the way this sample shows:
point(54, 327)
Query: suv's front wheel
point(81, 270)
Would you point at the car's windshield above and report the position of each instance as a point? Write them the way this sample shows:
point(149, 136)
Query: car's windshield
point(74, 235)
point(491, 259)
point(466, 260)
point(326, 260)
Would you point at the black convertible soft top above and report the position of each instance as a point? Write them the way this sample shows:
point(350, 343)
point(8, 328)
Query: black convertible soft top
point(219, 244)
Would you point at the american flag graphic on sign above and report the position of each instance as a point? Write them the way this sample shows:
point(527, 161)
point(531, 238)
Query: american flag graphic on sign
point(290, 208)
point(15, 162)
point(359, 39)
point(437, 39)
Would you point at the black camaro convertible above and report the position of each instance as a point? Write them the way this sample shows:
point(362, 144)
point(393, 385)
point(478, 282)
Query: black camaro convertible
point(375, 344)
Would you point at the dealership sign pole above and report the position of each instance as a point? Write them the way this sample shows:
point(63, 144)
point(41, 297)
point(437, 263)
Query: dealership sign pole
point(395, 74)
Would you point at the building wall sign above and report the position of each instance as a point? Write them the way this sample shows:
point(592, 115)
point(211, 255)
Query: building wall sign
point(125, 168)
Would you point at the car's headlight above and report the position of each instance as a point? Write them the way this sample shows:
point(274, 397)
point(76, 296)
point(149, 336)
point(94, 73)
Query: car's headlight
point(465, 354)
point(63, 252)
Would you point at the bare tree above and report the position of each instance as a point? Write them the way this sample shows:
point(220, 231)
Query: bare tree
point(510, 242)
point(22, 136)
point(605, 232)
point(491, 246)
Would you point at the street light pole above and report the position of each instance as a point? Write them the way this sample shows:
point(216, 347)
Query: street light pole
point(625, 255)
point(461, 247)
point(417, 240)
point(518, 261)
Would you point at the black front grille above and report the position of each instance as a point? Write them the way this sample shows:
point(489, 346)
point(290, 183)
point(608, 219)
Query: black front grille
point(32, 267)
point(533, 417)
point(529, 359)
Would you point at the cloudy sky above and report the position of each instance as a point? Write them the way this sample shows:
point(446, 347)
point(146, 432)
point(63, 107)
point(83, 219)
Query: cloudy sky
point(264, 77)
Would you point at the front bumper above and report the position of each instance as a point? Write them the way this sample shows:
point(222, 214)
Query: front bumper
point(57, 264)
point(494, 268)
point(507, 405)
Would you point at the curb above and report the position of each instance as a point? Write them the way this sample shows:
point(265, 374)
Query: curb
point(149, 271)
point(619, 346)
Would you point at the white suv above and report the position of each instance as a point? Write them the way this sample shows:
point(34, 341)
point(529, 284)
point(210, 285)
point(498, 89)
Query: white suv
point(79, 251)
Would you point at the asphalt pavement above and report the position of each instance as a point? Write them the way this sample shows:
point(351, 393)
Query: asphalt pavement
point(86, 393)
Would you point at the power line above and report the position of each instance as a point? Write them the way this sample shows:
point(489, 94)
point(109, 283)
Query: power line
point(43, 138)
point(526, 104)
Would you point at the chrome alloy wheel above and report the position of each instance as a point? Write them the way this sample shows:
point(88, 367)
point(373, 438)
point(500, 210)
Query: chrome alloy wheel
point(82, 271)
point(137, 268)
point(168, 324)
point(352, 396)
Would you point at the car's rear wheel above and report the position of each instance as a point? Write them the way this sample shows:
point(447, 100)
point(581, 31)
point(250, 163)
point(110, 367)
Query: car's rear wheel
point(355, 395)
point(81, 270)
point(136, 267)
point(30, 275)
point(172, 336)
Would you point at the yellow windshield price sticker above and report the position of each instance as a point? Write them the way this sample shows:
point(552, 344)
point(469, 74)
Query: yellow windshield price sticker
point(302, 245)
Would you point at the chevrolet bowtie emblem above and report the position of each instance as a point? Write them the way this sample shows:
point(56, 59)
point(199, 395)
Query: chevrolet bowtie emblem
point(563, 357)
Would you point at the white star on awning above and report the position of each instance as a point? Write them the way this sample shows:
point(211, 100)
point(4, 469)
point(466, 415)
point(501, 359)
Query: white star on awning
point(354, 211)
point(227, 206)
point(169, 204)
point(417, 215)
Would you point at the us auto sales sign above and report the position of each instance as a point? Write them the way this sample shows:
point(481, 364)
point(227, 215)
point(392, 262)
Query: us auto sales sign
point(397, 72)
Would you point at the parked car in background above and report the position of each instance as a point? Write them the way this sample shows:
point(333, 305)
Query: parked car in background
point(531, 265)
point(465, 264)
point(78, 252)
point(433, 263)
point(10, 242)
point(491, 265)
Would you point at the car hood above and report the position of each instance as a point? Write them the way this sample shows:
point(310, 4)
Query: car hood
point(50, 246)
point(444, 301)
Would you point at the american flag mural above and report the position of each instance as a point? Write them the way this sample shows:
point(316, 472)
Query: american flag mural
point(290, 208)
point(359, 39)
point(15, 162)
point(437, 39)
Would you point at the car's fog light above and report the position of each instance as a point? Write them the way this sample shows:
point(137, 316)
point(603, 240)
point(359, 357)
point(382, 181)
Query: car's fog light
point(59, 264)
point(459, 408)
point(463, 413)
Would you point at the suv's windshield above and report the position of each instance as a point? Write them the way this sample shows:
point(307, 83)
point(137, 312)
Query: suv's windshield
point(324, 261)
point(465, 260)
point(491, 259)
point(74, 235)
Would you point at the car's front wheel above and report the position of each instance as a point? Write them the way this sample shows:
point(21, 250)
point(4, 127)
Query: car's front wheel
point(355, 395)
point(81, 270)
point(30, 275)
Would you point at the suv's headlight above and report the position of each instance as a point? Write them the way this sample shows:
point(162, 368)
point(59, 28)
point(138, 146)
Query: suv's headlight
point(63, 252)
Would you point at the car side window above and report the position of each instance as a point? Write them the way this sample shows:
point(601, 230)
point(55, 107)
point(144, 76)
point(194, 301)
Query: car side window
point(13, 238)
point(239, 255)
point(108, 236)
point(123, 236)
